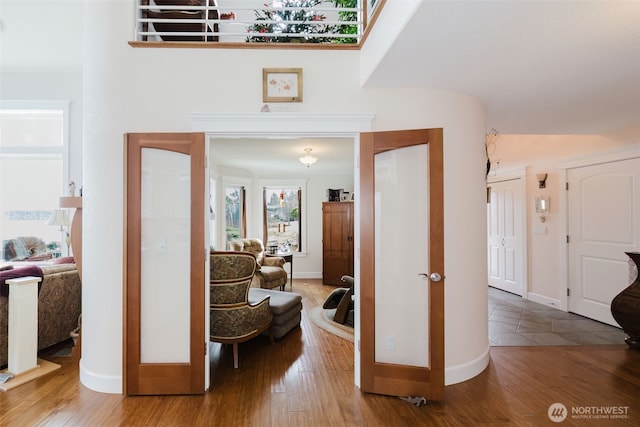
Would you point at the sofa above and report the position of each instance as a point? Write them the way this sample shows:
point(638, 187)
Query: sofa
point(270, 272)
point(59, 303)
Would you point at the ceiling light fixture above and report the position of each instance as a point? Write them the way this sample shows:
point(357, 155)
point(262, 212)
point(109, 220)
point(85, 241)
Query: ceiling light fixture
point(307, 159)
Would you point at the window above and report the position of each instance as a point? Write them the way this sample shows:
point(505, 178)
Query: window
point(235, 213)
point(33, 168)
point(282, 218)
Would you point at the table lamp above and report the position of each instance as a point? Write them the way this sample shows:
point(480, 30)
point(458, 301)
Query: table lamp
point(61, 218)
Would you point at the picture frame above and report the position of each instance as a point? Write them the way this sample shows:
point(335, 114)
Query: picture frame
point(282, 84)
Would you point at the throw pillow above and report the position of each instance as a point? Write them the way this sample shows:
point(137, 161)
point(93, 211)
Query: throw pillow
point(29, 270)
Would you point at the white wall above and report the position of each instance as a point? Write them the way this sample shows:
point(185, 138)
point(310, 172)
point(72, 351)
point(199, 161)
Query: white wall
point(542, 154)
point(308, 264)
point(128, 89)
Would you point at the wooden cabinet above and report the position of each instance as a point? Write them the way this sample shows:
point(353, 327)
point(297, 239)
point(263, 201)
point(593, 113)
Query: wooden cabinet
point(337, 241)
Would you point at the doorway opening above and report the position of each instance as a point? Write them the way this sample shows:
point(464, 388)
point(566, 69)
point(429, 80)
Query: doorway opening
point(267, 128)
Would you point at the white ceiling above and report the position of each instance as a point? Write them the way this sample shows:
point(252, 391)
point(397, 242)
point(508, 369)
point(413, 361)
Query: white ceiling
point(279, 157)
point(540, 67)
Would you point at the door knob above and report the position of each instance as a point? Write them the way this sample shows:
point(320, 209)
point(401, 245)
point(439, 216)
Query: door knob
point(434, 277)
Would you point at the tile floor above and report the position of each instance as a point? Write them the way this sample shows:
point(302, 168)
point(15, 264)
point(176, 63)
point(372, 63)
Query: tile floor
point(514, 321)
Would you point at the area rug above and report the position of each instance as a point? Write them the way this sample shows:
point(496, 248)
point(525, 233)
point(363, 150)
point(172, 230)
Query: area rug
point(323, 319)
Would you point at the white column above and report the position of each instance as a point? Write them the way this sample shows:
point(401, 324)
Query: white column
point(108, 27)
point(23, 324)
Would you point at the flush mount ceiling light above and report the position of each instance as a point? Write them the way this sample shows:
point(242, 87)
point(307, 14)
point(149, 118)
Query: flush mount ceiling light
point(307, 159)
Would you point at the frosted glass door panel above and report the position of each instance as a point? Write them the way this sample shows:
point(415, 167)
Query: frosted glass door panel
point(165, 256)
point(401, 230)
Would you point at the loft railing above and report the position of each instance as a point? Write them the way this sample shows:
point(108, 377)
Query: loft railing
point(332, 22)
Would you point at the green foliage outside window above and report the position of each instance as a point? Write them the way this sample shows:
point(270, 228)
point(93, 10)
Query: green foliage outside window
point(311, 22)
point(346, 16)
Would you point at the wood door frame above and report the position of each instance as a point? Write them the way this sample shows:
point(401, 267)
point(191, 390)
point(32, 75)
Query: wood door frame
point(370, 144)
point(293, 125)
point(163, 378)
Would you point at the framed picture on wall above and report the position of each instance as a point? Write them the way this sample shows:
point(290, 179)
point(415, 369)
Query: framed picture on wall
point(282, 84)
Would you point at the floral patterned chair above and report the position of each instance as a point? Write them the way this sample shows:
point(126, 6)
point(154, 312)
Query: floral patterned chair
point(270, 272)
point(232, 318)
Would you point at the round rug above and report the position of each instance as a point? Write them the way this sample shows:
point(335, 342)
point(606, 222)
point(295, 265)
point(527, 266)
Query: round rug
point(323, 319)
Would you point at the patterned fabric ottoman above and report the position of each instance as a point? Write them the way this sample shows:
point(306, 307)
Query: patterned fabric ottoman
point(285, 306)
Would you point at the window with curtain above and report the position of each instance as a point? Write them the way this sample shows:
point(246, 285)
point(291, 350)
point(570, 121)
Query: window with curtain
point(282, 219)
point(33, 169)
point(235, 213)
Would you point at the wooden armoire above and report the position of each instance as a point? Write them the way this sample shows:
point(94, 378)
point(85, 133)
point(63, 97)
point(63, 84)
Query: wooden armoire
point(337, 241)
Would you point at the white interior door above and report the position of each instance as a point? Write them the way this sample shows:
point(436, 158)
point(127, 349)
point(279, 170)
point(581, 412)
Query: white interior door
point(505, 236)
point(604, 223)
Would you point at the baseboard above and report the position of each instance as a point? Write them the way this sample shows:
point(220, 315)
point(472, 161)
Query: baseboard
point(466, 371)
point(306, 275)
point(541, 299)
point(101, 383)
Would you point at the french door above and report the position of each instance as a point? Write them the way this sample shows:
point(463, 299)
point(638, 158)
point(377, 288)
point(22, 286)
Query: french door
point(165, 337)
point(402, 263)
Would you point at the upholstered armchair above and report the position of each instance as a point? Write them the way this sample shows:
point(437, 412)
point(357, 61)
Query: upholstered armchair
point(232, 318)
point(270, 272)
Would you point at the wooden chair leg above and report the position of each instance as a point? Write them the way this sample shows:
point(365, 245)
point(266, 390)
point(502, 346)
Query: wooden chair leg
point(235, 355)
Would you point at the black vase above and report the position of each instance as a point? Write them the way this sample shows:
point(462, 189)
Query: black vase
point(625, 307)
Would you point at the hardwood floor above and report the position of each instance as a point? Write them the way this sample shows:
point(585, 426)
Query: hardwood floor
point(306, 379)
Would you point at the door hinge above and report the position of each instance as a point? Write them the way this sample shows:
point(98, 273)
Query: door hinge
point(566, 186)
point(568, 292)
point(567, 238)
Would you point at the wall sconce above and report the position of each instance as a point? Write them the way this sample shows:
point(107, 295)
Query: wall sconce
point(542, 207)
point(542, 180)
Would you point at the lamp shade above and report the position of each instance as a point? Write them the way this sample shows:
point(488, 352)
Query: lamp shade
point(59, 217)
point(307, 159)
